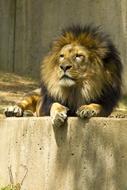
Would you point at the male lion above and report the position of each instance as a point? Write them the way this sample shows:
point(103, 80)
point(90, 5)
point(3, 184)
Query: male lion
point(80, 76)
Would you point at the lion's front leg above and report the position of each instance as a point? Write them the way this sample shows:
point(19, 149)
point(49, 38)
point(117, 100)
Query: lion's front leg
point(88, 111)
point(58, 114)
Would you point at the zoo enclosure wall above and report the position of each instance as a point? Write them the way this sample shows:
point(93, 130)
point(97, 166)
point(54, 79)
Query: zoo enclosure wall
point(83, 154)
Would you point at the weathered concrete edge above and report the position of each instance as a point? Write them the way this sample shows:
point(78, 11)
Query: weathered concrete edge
point(69, 118)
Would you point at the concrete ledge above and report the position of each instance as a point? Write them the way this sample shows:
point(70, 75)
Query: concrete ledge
point(83, 155)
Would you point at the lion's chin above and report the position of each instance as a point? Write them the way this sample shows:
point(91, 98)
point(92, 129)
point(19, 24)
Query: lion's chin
point(66, 82)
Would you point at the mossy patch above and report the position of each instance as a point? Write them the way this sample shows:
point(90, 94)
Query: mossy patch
point(12, 187)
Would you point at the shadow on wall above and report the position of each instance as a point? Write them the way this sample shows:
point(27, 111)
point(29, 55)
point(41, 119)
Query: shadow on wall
point(90, 158)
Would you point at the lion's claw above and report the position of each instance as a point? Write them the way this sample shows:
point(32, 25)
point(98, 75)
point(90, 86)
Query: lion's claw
point(86, 112)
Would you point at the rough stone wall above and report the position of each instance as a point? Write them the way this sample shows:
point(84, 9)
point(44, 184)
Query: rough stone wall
point(82, 155)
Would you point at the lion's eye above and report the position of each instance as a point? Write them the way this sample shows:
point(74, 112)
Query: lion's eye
point(79, 57)
point(61, 56)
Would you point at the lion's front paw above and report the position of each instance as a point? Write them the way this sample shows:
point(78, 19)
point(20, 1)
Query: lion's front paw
point(13, 111)
point(58, 114)
point(88, 111)
point(59, 119)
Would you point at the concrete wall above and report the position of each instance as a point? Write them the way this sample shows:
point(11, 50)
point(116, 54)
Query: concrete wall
point(84, 155)
point(32, 25)
point(7, 22)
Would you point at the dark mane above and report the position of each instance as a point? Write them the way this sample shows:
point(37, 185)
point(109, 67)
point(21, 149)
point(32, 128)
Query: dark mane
point(96, 33)
point(78, 30)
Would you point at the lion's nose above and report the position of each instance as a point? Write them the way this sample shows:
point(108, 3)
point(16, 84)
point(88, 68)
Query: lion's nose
point(65, 67)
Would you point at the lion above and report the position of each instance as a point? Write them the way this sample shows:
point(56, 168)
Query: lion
point(80, 76)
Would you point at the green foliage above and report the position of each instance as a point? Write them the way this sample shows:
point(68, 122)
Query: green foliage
point(11, 187)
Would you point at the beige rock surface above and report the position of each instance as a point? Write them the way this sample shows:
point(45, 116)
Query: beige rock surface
point(82, 155)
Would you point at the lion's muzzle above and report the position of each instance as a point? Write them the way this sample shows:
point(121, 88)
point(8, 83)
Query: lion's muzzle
point(65, 67)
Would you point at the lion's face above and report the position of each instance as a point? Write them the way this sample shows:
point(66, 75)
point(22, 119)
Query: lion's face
point(73, 67)
point(72, 63)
